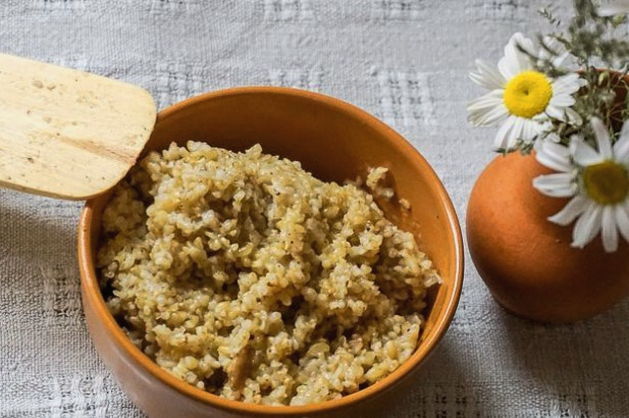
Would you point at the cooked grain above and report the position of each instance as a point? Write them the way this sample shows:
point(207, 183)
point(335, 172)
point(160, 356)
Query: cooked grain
point(244, 275)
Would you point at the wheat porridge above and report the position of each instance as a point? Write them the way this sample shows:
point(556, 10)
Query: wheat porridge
point(244, 275)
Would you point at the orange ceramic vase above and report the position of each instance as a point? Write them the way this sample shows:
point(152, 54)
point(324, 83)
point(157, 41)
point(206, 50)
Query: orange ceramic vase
point(527, 261)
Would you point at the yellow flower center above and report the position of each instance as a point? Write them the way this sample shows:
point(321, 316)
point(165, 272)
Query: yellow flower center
point(527, 94)
point(606, 183)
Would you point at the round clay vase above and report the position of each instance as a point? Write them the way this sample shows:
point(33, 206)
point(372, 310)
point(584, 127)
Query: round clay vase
point(527, 261)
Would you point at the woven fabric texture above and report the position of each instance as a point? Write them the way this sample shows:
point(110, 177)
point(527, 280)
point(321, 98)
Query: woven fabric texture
point(405, 61)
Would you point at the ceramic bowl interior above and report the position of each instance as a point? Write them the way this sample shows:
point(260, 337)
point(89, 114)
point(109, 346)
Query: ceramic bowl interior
point(333, 140)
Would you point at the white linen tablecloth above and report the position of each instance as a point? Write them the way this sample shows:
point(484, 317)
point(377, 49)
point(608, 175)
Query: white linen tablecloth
point(406, 61)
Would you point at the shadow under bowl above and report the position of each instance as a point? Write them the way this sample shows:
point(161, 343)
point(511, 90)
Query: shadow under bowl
point(335, 141)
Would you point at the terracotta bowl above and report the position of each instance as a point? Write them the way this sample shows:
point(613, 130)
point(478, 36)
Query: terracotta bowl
point(335, 141)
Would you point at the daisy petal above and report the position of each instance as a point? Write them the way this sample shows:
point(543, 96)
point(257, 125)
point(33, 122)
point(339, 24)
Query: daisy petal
point(624, 131)
point(493, 98)
point(584, 154)
point(601, 134)
point(588, 225)
point(501, 140)
point(621, 147)
point(489, 116)
point(555, 112)
point(564, 60)
point(526, 44)
point(527, 131)
point(552, 137)
point(516, 131)
point(554, 156)
point(556, 148)
point(562, 100)
point(515, 61)
point(570, 212)
point(551, 44)
point(622, 219)
point(487, 76)
point(530, 129)
point(567, 84)
point(563, 113)
point(507, 68)
point(487, 110)
point(559, 56)
point(609, 232)
point(556, 185)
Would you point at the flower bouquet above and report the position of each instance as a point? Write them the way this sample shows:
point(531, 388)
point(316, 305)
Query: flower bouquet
point(560, 104)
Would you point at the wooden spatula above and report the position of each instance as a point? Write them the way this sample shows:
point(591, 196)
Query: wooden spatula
point(66, 133)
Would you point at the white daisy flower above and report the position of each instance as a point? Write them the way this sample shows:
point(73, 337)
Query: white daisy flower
point(613, 7)
point(597, 181)
point(521, 98)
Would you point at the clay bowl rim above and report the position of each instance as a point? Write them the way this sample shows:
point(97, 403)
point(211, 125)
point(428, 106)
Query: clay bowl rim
point(401, 146)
